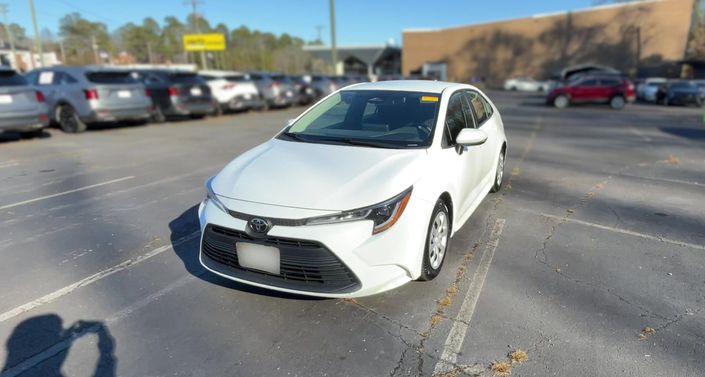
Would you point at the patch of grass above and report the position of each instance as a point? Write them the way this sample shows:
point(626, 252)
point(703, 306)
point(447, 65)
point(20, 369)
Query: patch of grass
point(646, 333)
point(436, 319)
point(501, 368)
point(518, 356)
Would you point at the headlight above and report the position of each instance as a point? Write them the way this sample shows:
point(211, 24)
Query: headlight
point(212, 197)
point(383, 215)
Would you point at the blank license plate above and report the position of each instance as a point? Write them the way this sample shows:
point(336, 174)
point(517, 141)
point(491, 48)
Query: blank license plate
point(196, 91)
point(124, 94)
point(258, 257)
point(5, 99)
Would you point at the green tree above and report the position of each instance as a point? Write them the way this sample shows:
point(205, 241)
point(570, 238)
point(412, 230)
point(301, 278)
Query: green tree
point(78, 35)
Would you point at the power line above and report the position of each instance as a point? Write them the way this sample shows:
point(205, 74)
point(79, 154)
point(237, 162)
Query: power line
point(91, 13)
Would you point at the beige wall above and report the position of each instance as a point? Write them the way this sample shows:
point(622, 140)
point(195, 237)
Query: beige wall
point(540, 46)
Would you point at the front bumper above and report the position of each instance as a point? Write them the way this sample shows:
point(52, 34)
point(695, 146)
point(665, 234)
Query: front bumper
point(342, 260)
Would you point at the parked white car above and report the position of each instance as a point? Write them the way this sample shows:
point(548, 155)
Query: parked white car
point(359, 194)
point(646, 91)
point(525, 84)
point(233, 90)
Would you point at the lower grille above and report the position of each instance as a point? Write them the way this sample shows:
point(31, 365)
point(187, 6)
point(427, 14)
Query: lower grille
point(304, 265)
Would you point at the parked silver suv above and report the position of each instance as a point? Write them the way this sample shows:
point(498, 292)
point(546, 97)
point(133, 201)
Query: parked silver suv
point(22, 109)
point(77, 96)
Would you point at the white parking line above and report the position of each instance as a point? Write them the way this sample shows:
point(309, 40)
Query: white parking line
point(456, 336)
point(6, 206)
point(624, 231)
point(639, 133)
point(53, 296)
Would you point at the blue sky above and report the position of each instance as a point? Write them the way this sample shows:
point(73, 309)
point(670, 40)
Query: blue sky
point(358, 21)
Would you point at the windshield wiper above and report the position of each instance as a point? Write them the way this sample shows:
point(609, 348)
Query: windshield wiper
point(370, 143)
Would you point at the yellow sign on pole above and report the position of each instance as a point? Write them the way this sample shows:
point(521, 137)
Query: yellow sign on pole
point(204, 42)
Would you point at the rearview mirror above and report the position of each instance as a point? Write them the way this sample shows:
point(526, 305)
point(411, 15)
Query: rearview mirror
point(471, 136)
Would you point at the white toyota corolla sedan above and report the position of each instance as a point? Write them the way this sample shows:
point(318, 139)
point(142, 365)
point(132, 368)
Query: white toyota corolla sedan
point(359, 194)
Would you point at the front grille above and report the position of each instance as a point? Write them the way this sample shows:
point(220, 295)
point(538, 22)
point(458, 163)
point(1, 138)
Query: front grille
point(304, 265)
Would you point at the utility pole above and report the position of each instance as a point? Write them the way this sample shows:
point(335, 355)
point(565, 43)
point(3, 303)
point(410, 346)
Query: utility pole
point(194, 4)
point(333, 51)
point(149, 52)
point(94, 45)
point(63, 52)
point(37, 36)
point(319, 30)
point(8, 31)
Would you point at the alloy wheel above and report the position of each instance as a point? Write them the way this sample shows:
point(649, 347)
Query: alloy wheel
point(438, 240)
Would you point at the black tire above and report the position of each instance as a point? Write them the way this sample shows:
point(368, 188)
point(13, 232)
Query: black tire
point(69, 121)
point(158, 115)
point(499, 173)
point(197, 116)
point(561, 101)
point(430, 269)
point(617, 102)
point(217, 110)
point(513, 89)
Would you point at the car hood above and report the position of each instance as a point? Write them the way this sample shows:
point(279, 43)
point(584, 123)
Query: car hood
point(319, 176)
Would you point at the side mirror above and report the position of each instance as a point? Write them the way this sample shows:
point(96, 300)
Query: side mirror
point(471, 136)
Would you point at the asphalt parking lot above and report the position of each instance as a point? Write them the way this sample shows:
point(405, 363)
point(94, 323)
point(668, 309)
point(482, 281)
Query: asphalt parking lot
point(591, 260)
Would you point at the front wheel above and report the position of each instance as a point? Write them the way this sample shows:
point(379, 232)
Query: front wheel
point(617, 102)
point(69, 121)
point(499, 174)
point(437, 241)
point(561, 102)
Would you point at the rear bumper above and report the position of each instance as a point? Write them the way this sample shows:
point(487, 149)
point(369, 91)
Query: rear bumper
point(112, 115)
point(242, 103)
point(23, 122)
point(190, 108)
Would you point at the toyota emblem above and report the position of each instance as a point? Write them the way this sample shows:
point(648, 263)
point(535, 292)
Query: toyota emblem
point(259, 225)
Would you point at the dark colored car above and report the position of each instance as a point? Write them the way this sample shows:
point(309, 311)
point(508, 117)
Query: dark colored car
point(322, 85)
point(679, 92)
point(275, 92)
point(305, 92)
point(176, 93)
point(612, 90)
point(22, 108)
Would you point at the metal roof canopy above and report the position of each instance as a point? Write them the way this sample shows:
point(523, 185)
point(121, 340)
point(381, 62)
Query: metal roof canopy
point(369, 55)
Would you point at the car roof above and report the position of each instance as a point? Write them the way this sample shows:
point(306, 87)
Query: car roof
point(407, 86)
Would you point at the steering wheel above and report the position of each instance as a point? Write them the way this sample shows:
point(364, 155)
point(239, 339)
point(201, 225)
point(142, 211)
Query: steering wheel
point(423, 130)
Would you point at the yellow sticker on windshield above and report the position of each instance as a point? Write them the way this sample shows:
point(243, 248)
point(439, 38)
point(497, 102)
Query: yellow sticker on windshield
point(429, 99)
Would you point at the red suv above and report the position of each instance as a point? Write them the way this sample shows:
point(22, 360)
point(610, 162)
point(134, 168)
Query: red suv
point(615, 91)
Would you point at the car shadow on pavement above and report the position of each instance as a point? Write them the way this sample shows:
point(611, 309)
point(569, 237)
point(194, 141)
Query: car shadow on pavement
point(10, 136)
point(186, 224)
point(695, 134)
point(42, 344)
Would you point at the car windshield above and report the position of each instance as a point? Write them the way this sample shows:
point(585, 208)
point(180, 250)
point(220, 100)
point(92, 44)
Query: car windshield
point(11, 78)
point(110, 77)
point(185, 78)
point(373, 118)
point(682, 85)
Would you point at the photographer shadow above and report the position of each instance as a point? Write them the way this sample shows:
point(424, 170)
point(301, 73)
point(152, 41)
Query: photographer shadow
point(39, 346)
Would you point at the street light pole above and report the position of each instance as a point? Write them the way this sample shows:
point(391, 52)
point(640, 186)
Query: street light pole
point(37, 37)
point(333, 50)
point(194, 3)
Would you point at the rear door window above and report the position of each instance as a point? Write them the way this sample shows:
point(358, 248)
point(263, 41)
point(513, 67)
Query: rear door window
point(11, 78)
point(610, 82)
point(481, 108)
point(110, 77)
